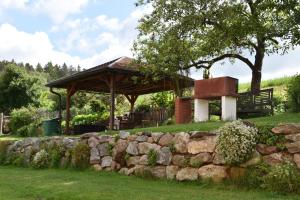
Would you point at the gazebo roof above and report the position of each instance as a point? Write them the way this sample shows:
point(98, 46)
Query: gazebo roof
point(96, 79)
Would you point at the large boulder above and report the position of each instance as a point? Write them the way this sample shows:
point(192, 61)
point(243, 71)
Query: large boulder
point(254, 160)
point(237, 172)
point(94, 156)
point(180, 142)
point(180, 160)
point(202, 146)
point(105, 138)
point(171, 171)
point(88, 135)
point(297, 160)
point(132, 161)
point(286, 129)
point(214, 172)
point(145, 147)
point(132, 148)
point(93, 142)
point(164, 156)
point(201, 159)
point(106, 161)
point(293, 147)
point(158, 171)
point(119, 152)
point(266, 150)
point(218, 159)
point(293, 137)
point(187, 174)
point(124, 134)
point(277, 158)
point(156, 136)
point(166, 139)
point(103, 149)
point(143, 160)
point(142, 138)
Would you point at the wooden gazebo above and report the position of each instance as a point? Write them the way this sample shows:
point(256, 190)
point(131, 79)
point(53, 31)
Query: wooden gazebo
point(118, 76)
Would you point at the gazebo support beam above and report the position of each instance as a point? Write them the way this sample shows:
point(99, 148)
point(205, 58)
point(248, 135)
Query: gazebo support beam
point(132, 99)
point(112, 102)
point(70, 92)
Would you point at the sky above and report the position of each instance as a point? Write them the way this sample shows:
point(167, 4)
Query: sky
point(90, 32)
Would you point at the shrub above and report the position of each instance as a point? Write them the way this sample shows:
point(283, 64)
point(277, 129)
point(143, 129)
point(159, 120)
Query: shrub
point(3, 151)
point(265, 136)
point(293, 91)
point(283, 178)
point(254, 176)
point(236, 142)
point(81, 156)
point(152, 157)
point(56, 153)
point(41, 159)
point(25, 122)
point(89, 119)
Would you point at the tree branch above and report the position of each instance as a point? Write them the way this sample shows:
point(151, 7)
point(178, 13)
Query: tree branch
point(208, 63)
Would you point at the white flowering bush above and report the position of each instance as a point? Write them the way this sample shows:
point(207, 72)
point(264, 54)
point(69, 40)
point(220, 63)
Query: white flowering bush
point(236, 142)
point(41, 159)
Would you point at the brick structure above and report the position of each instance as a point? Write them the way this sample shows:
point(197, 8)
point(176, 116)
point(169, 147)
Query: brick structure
point(183, 110)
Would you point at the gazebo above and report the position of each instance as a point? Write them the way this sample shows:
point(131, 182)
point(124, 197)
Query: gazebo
point(119, 76)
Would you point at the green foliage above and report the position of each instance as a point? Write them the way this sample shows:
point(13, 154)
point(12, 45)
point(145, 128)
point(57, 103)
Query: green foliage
point(89, 119)
point(110, 148)
point(293, 91)
point(25, 122)
point(152, 157)
point(3, 148)
point(284, 178)
point(172, 147)
point(41, 160)
point(265, 136)
point(162, 100)
point(179, 35)
point(81, 156)
point(143, 108)
point(236, 142)
point(18, 89)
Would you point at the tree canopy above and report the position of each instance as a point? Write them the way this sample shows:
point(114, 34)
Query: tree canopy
point(179, 35)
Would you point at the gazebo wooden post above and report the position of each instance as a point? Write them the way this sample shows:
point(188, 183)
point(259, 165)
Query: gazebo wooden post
point(112, 102)
point(132, 99)
point(70, 92)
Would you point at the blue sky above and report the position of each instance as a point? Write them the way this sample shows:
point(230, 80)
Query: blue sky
point(90, 32)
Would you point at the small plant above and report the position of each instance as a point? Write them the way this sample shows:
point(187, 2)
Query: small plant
point(284, 178)
point(3, 148)
point(56, 152)
point(126, 157)
point(172, 147)
point(152, 157)
point(293, 91)
point(110, 148)
point(41, 159)
point(196, 163)
point(265, 136)
point(19, 161)
point(236, 142)
point(80, 156)
point(116, 137)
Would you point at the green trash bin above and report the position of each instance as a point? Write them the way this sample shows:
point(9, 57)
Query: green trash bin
point(51, 127)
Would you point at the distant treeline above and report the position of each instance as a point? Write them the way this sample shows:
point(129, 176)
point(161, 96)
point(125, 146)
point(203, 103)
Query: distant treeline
point(53, 71)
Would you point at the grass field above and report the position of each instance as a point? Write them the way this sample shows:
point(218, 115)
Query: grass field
point(29, 184)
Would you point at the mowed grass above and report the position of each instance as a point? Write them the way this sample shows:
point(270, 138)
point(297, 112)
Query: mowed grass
point(29, 184)
point(210, 126)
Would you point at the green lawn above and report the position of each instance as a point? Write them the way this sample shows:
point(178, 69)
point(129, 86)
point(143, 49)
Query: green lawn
point(209, 126)
point(22, 183)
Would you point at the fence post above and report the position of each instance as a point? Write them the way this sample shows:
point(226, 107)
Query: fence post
point(1, 122)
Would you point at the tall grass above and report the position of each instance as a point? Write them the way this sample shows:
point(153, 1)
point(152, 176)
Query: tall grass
point(277, 82)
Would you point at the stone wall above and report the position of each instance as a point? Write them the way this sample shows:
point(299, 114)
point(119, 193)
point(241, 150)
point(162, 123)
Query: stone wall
point(181, 156)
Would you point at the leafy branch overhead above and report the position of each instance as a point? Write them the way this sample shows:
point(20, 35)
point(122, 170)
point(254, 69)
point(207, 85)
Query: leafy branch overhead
point(179, 34)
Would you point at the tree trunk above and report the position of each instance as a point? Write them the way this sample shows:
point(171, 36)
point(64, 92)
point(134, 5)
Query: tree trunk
point(256, 70)
point(256, 80)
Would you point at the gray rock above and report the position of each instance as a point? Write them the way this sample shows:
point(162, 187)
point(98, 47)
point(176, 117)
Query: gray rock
point(164, 156)
point(171, 172)
point(180, 160)
point(200, 159)
point(106, 161)
point(119, 151)
point(156, 136)
point(187, 174)
point(105, 138)
point(132, 148)
point(207, 145)
point(218, 159)
point(88, 135)
point(180, 142)
point(124, 134)
point(142, 138)
point(132, 161)
point(143, 160)
point(92, 142)
point(95, 156)
point(145, 147)
point(103, 149)
point(166, 140)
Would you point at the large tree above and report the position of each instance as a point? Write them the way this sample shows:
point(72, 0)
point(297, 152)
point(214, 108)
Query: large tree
point(181, 34)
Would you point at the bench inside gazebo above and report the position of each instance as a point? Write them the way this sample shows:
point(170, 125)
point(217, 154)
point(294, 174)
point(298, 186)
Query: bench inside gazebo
point(119, 76)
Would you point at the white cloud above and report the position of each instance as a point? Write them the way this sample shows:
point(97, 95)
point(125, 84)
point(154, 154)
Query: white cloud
point(58, 10)
point(13, 4)
point(109, 23)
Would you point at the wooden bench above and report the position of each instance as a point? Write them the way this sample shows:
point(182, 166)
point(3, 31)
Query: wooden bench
point(261, 104)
